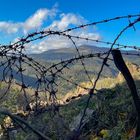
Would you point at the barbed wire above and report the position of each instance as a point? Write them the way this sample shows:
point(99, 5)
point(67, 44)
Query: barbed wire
point(98, 76)
point(13, 58)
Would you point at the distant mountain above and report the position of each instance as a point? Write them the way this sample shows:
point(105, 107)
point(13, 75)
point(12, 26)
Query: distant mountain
point(66, 53)
point(49, 57)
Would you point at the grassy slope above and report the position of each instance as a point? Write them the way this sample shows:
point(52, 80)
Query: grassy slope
point(115, 112)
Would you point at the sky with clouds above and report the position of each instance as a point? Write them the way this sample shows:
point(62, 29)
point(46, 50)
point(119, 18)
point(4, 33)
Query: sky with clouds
point(18, 18)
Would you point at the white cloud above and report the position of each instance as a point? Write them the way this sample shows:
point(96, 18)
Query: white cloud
point(56, 42)
point(47, 44)
point(36, 20)
point(33, 22)
point(85, 34)
point(66, 20)
point(9, 27)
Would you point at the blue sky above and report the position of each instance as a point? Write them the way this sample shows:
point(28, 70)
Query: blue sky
point(20, 17)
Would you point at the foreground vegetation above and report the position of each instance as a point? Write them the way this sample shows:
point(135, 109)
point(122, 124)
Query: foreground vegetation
point(110, 115)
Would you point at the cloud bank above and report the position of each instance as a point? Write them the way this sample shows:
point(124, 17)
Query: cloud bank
point(38, 21)
point(35, 21)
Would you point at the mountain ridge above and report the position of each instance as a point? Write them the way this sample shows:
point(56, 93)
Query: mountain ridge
point(67, 53)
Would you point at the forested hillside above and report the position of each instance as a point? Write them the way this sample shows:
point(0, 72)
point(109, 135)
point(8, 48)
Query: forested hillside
point(112, 106)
